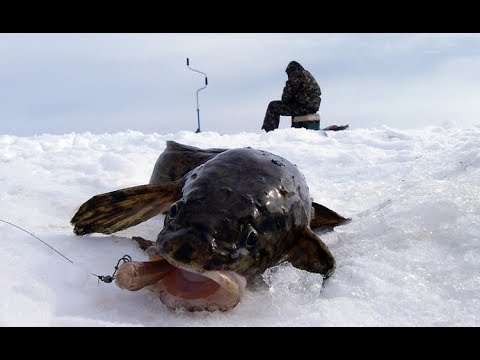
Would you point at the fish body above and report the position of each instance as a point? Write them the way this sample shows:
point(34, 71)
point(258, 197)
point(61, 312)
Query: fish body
point(230, 215)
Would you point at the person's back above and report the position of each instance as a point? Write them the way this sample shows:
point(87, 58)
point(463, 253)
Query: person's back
point(301, 96)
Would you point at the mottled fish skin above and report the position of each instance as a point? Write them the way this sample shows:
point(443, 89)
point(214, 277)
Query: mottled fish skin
point(242, 211)
point(178, 159)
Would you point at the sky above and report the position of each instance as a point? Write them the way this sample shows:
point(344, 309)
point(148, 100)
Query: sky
point(58, 83)
point(409, 257)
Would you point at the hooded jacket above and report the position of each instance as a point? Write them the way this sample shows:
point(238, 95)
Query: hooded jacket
point(301, 88)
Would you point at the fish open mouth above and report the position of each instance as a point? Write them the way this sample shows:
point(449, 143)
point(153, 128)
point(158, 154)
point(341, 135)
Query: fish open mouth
point(182, 287)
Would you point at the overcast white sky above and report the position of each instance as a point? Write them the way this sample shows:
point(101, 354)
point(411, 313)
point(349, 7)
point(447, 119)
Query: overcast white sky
point(62, 83)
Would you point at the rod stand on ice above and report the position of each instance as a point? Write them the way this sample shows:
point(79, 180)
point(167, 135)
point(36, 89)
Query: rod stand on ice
point(206, 83)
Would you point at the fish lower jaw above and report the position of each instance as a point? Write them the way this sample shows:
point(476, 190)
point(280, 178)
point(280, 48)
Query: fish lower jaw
point(208, 291)
point(179, 286)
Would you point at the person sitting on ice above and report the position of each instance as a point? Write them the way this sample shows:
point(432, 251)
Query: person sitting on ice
point(300, 99)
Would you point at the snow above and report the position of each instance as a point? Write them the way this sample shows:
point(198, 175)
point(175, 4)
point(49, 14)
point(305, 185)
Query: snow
point(409, 257)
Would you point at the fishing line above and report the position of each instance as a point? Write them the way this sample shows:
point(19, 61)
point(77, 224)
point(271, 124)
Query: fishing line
point(104, 278)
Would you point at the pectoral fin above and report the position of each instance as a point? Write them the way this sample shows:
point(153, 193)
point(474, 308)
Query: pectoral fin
point(117, 210)
point(323, 216)
point(311, 254)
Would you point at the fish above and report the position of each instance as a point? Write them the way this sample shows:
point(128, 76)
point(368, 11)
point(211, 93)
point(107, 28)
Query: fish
point(230, 214)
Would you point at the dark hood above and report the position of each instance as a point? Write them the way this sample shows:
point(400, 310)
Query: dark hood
point(293, 66)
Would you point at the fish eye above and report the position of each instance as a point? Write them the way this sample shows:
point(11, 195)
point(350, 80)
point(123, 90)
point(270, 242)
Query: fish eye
point(252, 238)
point(173, 210)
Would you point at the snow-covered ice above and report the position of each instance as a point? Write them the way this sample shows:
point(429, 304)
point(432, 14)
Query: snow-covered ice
point(409, 257)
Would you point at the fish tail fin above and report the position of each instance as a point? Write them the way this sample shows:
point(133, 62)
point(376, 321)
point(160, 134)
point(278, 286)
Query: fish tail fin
point(323, 216)
point(117, 210)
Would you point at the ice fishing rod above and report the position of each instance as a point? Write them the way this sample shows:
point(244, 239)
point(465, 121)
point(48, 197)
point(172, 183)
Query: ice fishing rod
point(105, 278)
point(206, 83)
